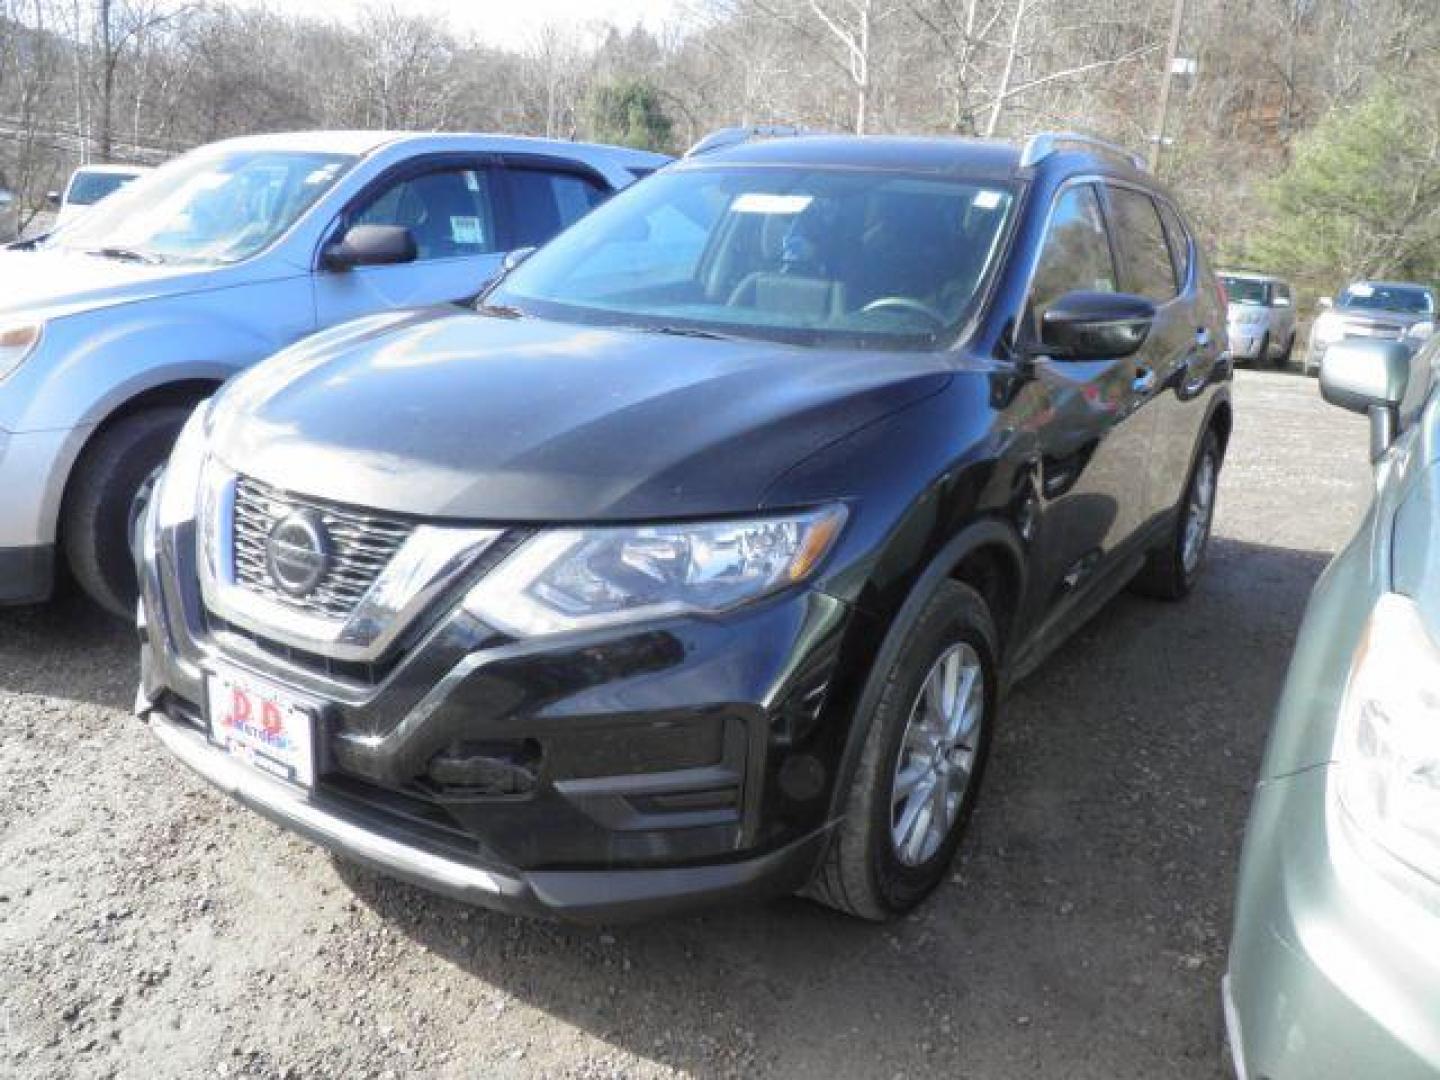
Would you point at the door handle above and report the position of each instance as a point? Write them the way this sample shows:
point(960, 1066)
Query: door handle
point(1144, 380)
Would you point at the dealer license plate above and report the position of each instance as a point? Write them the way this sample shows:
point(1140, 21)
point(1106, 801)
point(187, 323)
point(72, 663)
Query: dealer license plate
point(262, 725)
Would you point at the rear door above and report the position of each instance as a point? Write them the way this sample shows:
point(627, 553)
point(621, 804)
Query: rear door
point(455, 209)
point(1167, 365)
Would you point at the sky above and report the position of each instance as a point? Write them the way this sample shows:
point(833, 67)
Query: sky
point(507, 23)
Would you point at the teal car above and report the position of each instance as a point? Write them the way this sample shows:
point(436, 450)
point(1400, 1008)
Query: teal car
point(1334, 967)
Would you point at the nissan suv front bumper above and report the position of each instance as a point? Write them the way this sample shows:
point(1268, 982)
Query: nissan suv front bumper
point(611, 774)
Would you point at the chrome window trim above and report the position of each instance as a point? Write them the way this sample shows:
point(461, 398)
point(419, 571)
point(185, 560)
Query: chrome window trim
point(430, 561)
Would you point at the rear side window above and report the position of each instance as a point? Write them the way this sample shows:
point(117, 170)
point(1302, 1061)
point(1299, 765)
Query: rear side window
point(449, 212)
point(1076, 253)
point(1143, 248)
point(546, 201)
point(1179, 237)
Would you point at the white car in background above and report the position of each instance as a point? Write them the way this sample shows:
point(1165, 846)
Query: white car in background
point(88, 185)
point(1260, 317)
point(113, 327)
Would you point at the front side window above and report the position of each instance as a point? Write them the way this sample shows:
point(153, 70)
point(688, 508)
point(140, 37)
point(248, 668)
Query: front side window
point(1075, 256)
point(1149, 271)
point(206, 207)
point(449, 212)
point(871, 259)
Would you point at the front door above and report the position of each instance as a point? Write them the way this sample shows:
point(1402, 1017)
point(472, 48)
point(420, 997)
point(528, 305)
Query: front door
point(1091, 436)
point(453, 210)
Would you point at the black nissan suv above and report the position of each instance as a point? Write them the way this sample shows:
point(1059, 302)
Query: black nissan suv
point(693, 561)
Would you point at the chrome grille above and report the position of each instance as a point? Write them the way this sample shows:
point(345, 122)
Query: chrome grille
point(363, 544)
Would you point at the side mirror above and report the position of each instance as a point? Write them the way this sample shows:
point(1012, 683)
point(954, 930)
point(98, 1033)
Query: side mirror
point(1095, 326)
point(1368, 377)
point(52, 198)
point(371, 245)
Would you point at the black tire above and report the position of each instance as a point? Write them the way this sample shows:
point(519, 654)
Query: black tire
point(1167, 575)
point(862, 874)
point(97, 516)
point(1262, 354)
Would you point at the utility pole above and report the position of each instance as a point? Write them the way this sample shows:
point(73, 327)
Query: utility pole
point(1162, 110)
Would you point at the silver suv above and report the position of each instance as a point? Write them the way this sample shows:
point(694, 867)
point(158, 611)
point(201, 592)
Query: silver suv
point(116, 324)
point(1373, 311)
point(1260, 318)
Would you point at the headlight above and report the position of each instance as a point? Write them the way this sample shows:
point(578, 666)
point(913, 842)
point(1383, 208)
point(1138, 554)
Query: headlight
point(577, 579)
point(1420, 331)
point(16, 343)
point(1328, 329)
point(1387, 744)
point(180, 483)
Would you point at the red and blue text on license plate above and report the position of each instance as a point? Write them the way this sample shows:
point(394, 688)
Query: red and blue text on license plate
point(263, 727)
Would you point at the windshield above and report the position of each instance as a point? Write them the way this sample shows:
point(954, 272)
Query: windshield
point(209, 207)
point(1245, 290)
point(1409, 299)
point(90, 187)
point(804, 255)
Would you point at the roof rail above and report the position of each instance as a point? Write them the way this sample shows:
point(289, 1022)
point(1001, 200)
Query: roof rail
point(734, 136)
point(1041, 146)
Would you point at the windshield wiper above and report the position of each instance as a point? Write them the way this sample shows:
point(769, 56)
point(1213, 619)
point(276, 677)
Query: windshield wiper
point(125, 254)
point(500, 311)
point(684, 331)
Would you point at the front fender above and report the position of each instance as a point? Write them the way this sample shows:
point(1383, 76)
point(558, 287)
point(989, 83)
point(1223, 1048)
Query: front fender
point(987, 533)
point(88, 365)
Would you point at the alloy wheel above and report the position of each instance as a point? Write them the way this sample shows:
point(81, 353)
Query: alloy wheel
point(1198, 510)
point(936, 761)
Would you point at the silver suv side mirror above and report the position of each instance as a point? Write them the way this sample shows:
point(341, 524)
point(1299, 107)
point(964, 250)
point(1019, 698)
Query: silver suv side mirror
point(1368, 377)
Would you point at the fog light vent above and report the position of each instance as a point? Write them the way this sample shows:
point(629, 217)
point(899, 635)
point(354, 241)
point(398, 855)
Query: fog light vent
point(487, 768)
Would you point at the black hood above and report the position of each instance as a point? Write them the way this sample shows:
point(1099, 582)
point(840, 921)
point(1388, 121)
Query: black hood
point(447, 413)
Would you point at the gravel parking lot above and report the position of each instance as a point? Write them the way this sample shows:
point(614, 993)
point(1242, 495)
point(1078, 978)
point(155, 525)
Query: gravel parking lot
point(150, 928)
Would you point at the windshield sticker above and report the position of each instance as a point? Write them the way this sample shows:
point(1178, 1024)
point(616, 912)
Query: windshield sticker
point(987, 200)
point(759, 202)
point(322, 175)
point(471, 180)
point(466, 230)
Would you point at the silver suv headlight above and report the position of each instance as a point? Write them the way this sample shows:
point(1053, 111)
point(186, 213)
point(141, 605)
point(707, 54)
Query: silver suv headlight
point(578, 579)
point(17, 341)
point(1387, 745)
